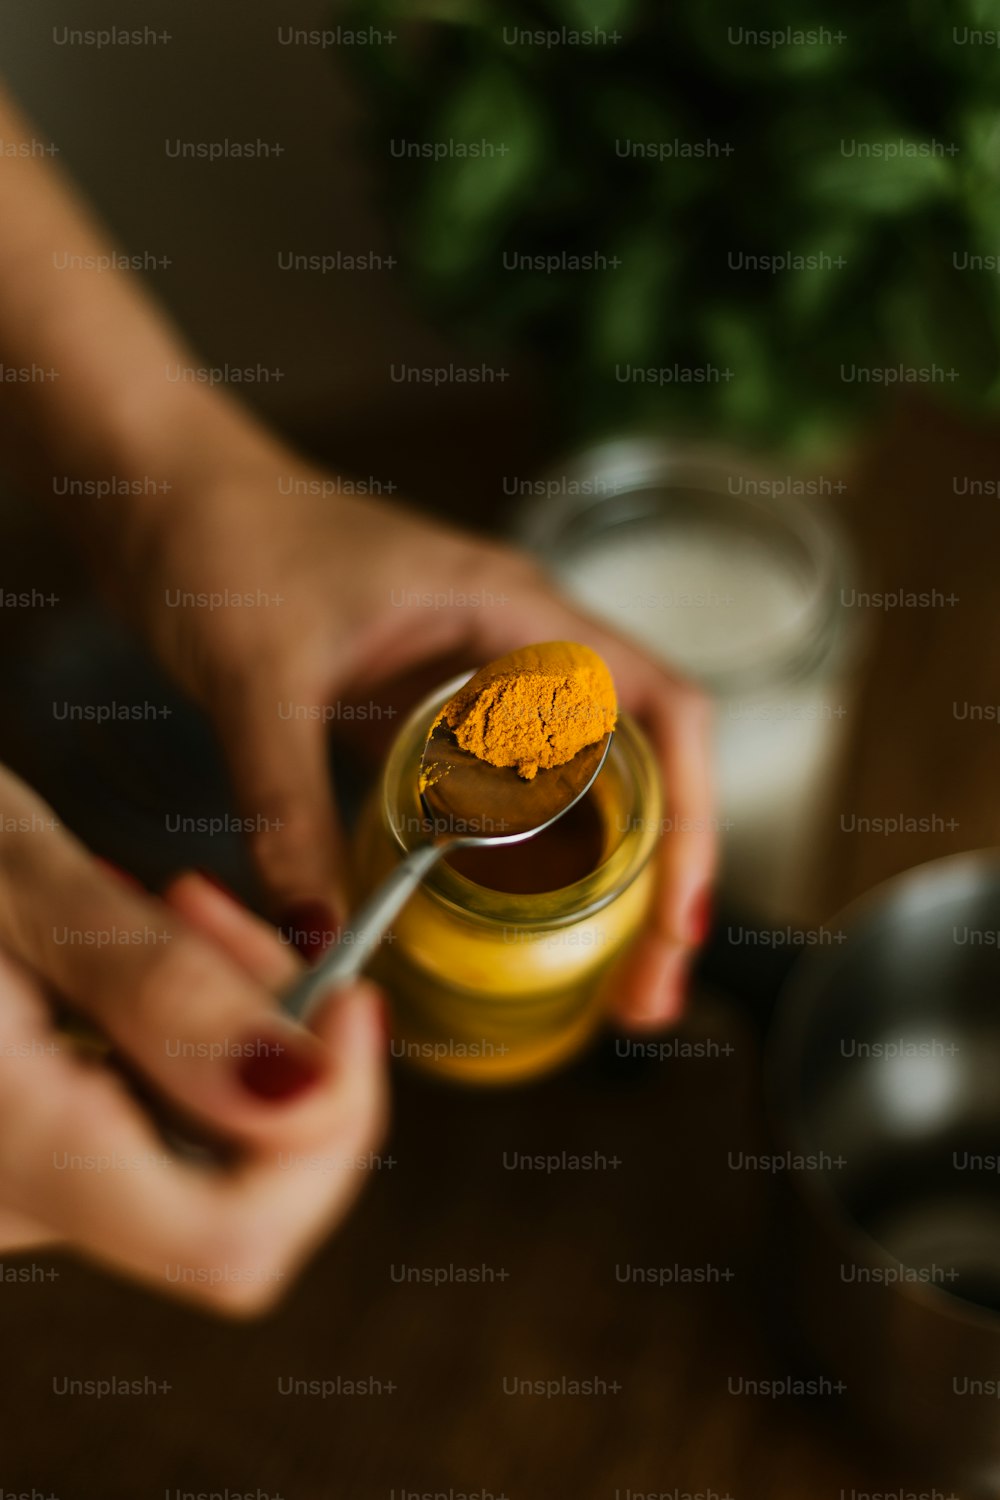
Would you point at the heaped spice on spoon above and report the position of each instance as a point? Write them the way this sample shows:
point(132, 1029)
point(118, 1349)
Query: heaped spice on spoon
point(534, 708)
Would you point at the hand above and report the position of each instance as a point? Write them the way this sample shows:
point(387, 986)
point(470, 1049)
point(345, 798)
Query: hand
point(183, 989)
point(352, 593)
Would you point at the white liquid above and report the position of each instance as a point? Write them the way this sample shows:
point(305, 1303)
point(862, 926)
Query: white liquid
point(710, 598)
point(718, 600)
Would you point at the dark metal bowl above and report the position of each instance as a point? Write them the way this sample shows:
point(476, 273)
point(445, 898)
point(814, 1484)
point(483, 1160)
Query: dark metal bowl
point(883, 1073)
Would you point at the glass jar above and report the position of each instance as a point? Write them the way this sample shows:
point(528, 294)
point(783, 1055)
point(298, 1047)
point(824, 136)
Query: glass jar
point(738, 577)
point(490, 984)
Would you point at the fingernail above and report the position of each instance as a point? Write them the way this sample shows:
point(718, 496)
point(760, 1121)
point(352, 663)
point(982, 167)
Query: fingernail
point(124, 876)
point(219, 884)
point(700, 917)
point(667, 1003)
point(311, 927)
point(276, 1069)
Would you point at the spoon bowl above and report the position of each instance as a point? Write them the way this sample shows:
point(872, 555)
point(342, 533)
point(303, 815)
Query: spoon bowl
point(468, 799)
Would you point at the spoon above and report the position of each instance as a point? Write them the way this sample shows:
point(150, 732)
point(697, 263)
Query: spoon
point(469, 804)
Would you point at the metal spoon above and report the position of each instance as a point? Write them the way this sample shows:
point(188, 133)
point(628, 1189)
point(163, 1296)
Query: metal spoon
point(469, 804)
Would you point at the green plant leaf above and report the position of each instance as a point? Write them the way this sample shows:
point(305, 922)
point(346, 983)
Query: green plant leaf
point(939, 316)
point(468, 201)
point(809, 295)
point(589, 15)
point(886, 174)
point(627, 310)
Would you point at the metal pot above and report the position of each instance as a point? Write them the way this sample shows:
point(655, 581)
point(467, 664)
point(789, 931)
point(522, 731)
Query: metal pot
point(883, 1078)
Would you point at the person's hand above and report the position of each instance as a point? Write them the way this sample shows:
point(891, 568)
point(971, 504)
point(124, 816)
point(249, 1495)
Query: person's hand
point(321, 598)
point(183, 989)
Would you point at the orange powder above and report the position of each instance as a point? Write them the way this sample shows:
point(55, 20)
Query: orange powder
point(534, 708)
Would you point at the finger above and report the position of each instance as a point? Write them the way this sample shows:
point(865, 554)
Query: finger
point(652, 988)
point(653, 985)
point(193, 1021)
point(19, 1232)
point(680, 722)
point(248, 940)
point(77, 1154)
point(279, 763)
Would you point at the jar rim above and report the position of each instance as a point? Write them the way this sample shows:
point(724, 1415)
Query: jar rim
point(630, 755)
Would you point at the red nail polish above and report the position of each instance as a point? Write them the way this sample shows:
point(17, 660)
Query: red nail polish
point(124, 876)
point(311, 927)
point(218, 883)
point(276, 1069)
point(701, 917)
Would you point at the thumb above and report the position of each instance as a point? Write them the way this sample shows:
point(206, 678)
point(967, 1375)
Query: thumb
point(279, 763)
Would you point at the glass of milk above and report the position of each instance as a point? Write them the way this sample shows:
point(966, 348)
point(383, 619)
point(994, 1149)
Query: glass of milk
point(734, 576)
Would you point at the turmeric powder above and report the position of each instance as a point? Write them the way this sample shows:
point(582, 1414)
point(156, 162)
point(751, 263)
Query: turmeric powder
point(534, 708)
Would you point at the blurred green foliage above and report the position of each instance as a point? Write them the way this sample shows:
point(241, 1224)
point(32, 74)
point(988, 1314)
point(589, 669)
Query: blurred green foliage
point(905, 81)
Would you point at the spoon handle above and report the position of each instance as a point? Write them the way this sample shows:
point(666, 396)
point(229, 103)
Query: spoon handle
point(357, 942)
